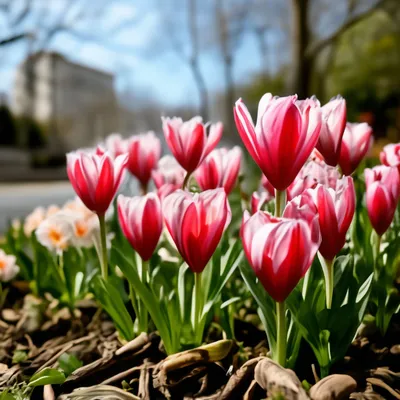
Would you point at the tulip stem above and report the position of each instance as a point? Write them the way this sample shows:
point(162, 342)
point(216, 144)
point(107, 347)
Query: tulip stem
point(280, 202)
point(3, 295)
point(280, 355)
point(377, 251)
point(103, 239)
point(143, 188)
point(327, 267)
point(144, 317)
point(197, 308)
point(186, 180)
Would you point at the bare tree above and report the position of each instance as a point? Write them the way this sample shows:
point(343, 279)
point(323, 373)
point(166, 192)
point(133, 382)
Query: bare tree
point(305, 50)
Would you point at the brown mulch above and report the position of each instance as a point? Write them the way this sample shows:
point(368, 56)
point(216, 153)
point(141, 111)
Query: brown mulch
point(39, 332)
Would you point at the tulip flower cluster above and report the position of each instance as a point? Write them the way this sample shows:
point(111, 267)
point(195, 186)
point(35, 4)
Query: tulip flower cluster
point(181, 242)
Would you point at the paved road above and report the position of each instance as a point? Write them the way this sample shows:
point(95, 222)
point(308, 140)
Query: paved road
point(18, 200)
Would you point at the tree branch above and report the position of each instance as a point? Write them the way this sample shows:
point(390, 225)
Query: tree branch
point(13, 38)
point(316, 47)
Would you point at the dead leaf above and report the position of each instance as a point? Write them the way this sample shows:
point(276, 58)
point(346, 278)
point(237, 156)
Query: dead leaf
point(277, 380)
point(385, 386)
point(240, 379)
point(99, 392)
point(333, 387)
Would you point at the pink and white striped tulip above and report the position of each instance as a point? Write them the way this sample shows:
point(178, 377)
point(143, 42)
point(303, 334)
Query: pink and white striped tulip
point(321, 173)
point(196, 223)
point(281, 250)
point(188, 141)
point(335, 210)
point(283, 138)
point(383, 192)
point(219, 169)
point(95, 178)
point(144, 152)
point(141, 221)
point(114, 144)
point(356, 142)
point(258, 200)
point(390, 155)
point(168, 171)
point(333, 126)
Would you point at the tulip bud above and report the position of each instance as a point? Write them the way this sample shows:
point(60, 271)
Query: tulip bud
point(333, 126)
point(280, 250)
point(383, 191)
point(390, 155)
point(114, 144)
point(188, 141)
point(355, 144)
point(144, 153)
point(336, 210)
point(283, 138)
point(141, 222)
point(196, 223)
point(95, 178)
point(219, 169)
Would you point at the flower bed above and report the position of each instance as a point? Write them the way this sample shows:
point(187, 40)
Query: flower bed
point(218, 284)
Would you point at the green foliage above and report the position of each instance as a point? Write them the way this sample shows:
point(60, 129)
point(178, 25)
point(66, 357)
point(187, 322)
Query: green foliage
point(267, 313)
point(331, 331)
point(168, 297)
point(110, 298)
point(19, 356)
point(47, 376)
point(69, 363)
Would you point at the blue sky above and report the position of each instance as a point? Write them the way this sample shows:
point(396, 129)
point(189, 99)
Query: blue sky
point(128, 54)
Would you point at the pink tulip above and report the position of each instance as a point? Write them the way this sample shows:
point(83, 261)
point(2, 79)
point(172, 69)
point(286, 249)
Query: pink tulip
point(141, 222)
point(390, 155)
point(336, 210)
point(188, 141)
point(383, 192)
point(312, 173)
point(168, 176)
point(333, 126)
point(321, 173)
point(144, 153)
point(95, 178)
point(300, 184)
point(219, 169)
point(283, 138)
point(355, 144)
point(114, 144)
point(168, 171)
point(196, 223)
point(258, 200)
point(281, 250)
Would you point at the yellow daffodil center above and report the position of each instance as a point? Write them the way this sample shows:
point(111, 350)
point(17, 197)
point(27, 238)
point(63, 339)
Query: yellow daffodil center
point(80, 229)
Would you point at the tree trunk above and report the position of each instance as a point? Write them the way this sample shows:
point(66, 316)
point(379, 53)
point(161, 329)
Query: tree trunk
point(301, 64)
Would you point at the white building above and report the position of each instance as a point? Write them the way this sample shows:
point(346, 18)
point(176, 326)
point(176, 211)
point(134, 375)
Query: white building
point(74, 103)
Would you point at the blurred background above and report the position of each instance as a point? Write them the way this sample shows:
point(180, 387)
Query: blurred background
point(73, 71)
